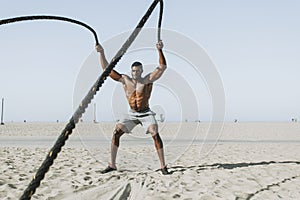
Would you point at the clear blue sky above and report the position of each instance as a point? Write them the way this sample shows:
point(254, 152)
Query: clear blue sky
point(255, 46)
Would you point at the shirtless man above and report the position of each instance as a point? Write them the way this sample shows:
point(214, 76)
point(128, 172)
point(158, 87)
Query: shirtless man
point(138, 91)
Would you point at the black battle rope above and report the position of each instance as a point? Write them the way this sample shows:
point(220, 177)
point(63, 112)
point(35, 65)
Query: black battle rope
point(40, 174)
point(48, 17)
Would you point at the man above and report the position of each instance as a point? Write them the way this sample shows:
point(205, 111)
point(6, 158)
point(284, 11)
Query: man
point(138, 91)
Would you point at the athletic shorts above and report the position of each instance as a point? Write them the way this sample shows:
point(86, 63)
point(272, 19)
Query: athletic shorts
point(133, 118)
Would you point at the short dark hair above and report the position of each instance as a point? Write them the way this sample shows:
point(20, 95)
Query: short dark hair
point(137, 64)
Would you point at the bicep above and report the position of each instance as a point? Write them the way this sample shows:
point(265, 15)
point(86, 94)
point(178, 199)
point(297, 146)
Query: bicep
point(156, 74)
point(116, 75)
point(121, 78)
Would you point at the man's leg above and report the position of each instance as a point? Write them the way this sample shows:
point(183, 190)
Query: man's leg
point(153, 129)
point(123, 127)
point(160, 149)
point(115, 142)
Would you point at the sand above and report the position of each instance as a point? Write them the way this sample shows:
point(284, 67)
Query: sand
point(244, 161)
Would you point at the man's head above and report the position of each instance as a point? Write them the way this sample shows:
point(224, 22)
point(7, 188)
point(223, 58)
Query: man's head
point(136, 70)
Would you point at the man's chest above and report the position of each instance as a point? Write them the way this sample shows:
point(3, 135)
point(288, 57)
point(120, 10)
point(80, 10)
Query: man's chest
point(139, 87)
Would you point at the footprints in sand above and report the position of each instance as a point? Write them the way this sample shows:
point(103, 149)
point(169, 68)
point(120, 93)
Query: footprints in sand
point(18, 166)
point(15, 171)
point(261, 179)
point(74, 176)
point(245, 180)
point(271, 187)
point(12, 186)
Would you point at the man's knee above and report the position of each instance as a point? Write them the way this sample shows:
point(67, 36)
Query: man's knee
point(153, 133)
point(116, 136)
point(152, 129)
point(121, 128)
point(118, 132)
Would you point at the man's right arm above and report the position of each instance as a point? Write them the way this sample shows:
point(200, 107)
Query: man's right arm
point(113, 74)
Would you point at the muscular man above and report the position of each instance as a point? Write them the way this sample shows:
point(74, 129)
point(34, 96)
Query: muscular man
point(138, 91)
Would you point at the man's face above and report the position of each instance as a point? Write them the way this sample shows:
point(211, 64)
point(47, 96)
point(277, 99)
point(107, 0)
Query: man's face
point(136, 72)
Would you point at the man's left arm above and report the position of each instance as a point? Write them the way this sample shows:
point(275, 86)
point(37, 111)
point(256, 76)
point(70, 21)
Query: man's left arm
point(157, 73)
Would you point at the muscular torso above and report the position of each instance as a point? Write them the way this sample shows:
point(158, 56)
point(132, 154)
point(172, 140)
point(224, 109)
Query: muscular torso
point(137, 93)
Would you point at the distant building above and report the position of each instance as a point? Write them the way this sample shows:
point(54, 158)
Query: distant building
point(2, 123)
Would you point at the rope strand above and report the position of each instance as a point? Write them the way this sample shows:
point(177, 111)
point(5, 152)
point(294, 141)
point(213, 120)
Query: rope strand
point(48, 17)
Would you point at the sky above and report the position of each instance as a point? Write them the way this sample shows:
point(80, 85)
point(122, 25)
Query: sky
point(47, 66)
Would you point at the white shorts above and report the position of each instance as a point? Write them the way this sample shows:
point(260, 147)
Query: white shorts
point(133, 118)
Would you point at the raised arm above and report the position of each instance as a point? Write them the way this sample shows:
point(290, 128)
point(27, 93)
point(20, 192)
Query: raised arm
point(114, 74)
point(156, 74)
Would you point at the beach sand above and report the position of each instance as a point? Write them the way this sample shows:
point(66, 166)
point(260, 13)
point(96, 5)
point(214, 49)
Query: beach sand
point(243, 161)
